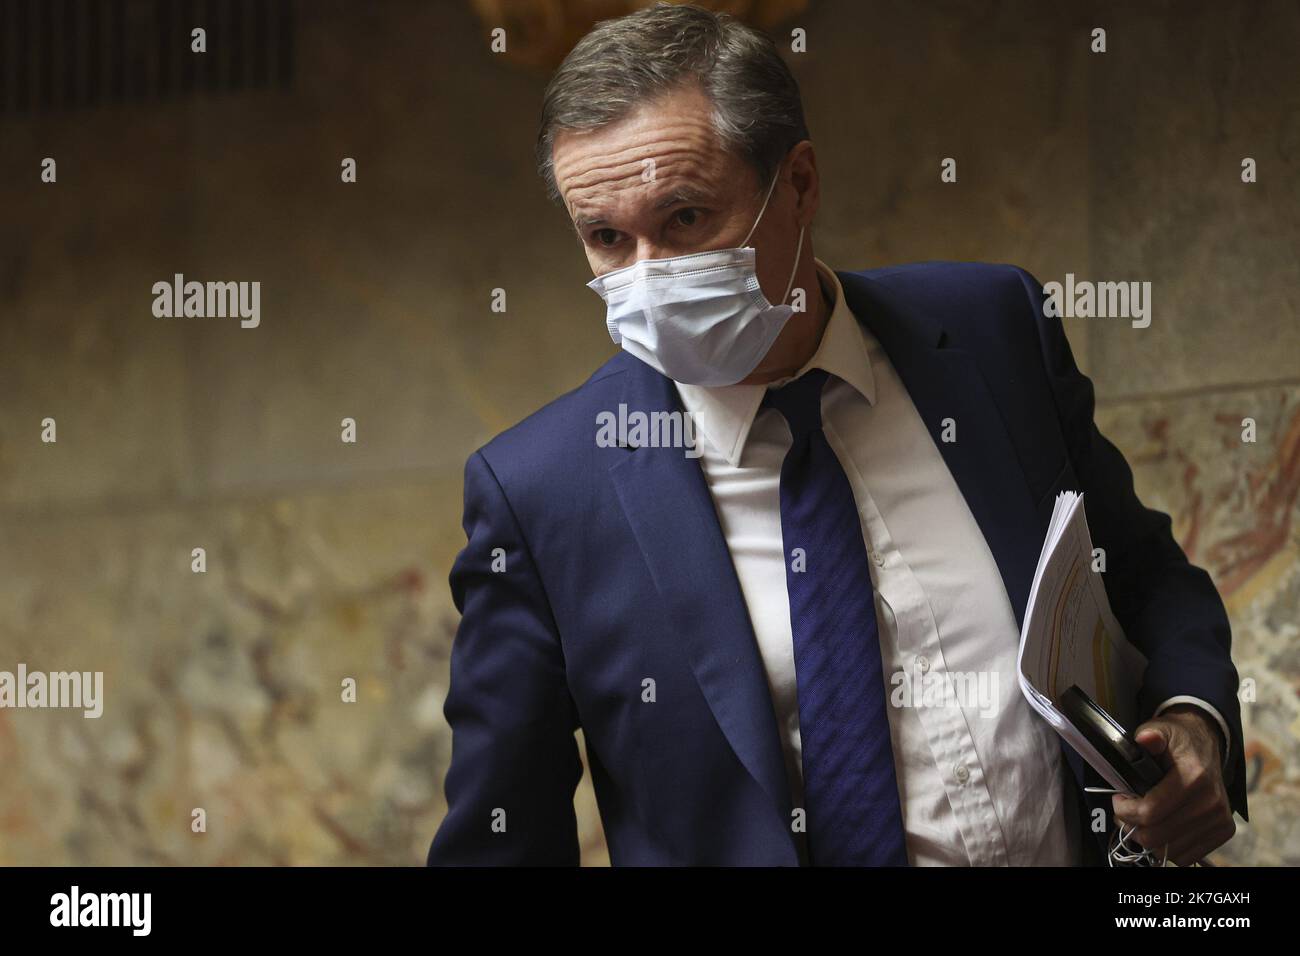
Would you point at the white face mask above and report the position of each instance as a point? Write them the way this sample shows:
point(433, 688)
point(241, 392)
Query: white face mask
point(700, 319)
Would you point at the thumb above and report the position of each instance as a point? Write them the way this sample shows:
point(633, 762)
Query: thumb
point(1154, 739)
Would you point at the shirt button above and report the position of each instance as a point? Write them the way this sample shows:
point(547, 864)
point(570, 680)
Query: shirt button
point(879, 558)
point(923, 663)
point(961, 773)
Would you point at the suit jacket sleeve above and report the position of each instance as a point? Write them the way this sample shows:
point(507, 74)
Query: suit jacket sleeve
point(1168, 607)
point(514, 762)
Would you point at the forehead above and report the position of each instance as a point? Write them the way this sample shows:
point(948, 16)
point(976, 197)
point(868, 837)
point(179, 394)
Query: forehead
point(663, 147)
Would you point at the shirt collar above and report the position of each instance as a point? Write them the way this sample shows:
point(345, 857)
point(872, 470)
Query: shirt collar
point(724, 414)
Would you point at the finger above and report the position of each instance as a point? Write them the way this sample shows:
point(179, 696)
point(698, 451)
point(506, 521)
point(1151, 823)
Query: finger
point(1154, 739)
point(1187, 778)
point(1165, 798)
point(1190, 824)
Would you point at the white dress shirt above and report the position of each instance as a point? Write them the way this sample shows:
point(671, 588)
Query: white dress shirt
point(980, 777)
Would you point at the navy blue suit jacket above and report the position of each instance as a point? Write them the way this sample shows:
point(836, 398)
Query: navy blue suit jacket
point(616, 571)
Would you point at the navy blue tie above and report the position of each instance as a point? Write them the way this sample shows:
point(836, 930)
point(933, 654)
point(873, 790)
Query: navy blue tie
point(850, 787)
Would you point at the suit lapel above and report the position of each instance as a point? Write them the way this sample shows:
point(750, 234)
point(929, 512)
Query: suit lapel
point(945, 383)
point(667, 502)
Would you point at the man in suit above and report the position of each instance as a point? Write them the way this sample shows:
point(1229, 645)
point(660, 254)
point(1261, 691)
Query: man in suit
point(873, 470)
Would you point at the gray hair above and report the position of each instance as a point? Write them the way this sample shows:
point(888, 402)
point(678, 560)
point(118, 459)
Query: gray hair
point(626, 61)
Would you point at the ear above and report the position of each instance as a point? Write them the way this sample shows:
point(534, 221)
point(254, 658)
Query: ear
point(801, 164)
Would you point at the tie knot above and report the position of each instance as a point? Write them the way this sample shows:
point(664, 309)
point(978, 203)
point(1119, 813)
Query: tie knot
point(800, 402)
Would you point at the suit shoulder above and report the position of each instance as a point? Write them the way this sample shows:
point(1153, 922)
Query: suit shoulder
point(944, 283)
point(970, 299)
point(558, 436)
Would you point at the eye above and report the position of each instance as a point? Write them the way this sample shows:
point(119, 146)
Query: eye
point(605, 237)
point(688, 216)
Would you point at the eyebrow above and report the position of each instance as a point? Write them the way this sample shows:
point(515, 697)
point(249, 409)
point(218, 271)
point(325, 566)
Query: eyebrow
point(682, 194)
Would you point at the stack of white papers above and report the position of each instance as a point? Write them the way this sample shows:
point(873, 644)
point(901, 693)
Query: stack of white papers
point(1071, 637)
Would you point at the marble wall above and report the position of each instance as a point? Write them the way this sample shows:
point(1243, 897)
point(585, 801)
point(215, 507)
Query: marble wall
point(328, 561)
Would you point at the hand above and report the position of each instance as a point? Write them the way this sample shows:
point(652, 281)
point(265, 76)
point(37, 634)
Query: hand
point(1188, 810)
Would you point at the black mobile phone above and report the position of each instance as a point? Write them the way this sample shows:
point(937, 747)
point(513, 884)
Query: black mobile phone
point(1137, 767)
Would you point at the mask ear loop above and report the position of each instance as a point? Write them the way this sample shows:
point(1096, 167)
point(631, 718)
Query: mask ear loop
point(763, 209)
point(797, 249)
